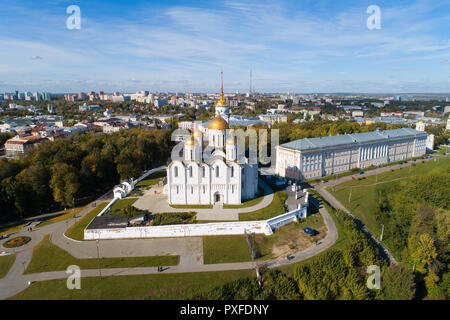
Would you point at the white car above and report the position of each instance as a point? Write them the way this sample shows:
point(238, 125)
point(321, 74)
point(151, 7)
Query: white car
point(4, 253)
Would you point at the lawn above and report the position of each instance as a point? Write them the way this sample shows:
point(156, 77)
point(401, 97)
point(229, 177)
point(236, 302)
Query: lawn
point(49, 257)
point(6, 263)
point(153, 286)
point(151, 180)
point(224, 249)
point(120, 205)
point(76, 231)
point(275, 208)
point(413, 170)
point(365, 192)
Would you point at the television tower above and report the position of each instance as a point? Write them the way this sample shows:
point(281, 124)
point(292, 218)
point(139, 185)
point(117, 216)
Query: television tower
point(250, 80)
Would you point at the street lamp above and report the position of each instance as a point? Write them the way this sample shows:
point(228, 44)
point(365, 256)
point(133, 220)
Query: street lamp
point(98, 259)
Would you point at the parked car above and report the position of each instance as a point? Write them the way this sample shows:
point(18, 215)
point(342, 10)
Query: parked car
point(361, 172)
point(310, 231)
point(324, 181)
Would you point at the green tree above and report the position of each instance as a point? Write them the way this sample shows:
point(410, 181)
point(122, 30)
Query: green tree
point(64, 183)
point(397, 283)
point(424, 252)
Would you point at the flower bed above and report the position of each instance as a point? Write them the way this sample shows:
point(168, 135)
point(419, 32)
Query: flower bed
point(16, 242)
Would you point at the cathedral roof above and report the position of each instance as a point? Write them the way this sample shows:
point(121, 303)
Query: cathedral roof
point(190, 141)
point(198, 134)
point(218, 123)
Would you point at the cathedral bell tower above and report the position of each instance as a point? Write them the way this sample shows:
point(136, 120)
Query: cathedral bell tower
point(221, 105)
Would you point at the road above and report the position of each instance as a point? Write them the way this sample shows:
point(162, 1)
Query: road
point(321, 188)
point(15, 281)
point(189, 249)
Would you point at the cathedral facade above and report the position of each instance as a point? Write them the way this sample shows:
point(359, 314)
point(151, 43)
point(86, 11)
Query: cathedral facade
point(218, 176)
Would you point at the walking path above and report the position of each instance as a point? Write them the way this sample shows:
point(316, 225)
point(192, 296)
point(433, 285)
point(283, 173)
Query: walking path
point(190, 250)
point(322, 189)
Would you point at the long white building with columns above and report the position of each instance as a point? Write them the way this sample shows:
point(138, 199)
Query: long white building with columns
point(317, 157)
point(218, 176)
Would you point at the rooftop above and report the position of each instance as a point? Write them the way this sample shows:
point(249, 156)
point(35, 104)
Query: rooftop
point(108, 221)
point(355, 138)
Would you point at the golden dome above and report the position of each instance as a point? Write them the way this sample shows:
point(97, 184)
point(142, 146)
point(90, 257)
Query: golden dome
point(198, 134)
point(218, 123)
point(420, 121)
point(231, 141)
point(190, 141)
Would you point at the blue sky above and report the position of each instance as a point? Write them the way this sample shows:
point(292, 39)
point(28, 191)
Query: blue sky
point(292, 46)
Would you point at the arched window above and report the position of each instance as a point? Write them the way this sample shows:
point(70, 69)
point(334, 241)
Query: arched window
point(190, 171)
point(175, 171)
point(204, 172)
point(232, 171)
point(217, 171)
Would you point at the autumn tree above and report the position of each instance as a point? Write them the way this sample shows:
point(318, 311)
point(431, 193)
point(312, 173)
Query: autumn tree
point(64, 183)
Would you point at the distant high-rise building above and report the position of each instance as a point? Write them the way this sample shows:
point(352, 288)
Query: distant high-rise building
point(82, 96)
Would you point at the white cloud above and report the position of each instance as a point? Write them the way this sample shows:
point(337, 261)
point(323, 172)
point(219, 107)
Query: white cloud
point(194, 43)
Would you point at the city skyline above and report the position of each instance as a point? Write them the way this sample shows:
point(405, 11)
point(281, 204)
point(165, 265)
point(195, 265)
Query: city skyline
point(298, 47)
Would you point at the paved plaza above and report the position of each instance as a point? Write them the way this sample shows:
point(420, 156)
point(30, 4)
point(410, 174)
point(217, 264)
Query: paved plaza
point(155, 201)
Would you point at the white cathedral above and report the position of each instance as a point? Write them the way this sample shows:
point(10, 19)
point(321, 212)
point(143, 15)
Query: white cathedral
point(220, 179)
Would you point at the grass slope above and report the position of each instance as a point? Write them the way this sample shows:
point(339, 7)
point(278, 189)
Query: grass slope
point(275, 208)
point(49, 257)
point(76, 231)
point(154, 286)
point(365, 192)
point(6, 263)
point(224, 249)
point(151, 180)
point(120, 205)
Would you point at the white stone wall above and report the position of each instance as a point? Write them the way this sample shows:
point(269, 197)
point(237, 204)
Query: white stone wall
point(202, 229)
